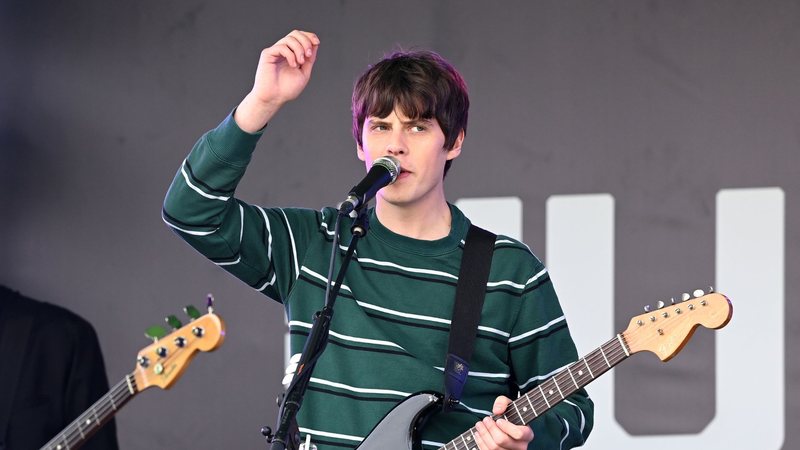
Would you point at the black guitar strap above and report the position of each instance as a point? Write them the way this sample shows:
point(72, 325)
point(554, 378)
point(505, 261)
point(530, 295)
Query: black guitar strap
point(470, 291)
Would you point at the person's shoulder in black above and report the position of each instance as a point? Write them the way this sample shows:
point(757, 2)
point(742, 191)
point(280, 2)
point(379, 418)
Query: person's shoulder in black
point(53, 372)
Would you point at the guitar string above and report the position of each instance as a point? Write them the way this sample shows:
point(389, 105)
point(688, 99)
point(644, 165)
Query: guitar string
point(561, 381)
point(616, 354)
point(594, 359)
point(72, 433)
point(119, 395)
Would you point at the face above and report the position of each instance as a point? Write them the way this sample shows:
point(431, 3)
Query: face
point(419, 146)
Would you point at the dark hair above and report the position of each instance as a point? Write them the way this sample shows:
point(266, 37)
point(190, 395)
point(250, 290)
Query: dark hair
point(422, 84)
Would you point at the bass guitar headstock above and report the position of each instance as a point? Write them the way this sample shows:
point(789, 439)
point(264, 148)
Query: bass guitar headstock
point(163, 362)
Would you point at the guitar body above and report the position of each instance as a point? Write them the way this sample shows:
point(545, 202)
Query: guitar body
point(663, 332)
point(400, 428)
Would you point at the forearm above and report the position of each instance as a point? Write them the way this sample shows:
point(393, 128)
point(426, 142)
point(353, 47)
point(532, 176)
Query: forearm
point(200, 203)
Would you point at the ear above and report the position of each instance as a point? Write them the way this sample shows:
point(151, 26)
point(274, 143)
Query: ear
point(456, 150)
point(360, 153)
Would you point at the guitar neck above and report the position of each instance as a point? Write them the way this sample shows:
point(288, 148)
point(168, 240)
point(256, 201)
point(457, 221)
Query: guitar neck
point(555, 389)
point(77, 432)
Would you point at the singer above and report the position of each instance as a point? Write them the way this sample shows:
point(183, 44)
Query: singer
point(389, 336)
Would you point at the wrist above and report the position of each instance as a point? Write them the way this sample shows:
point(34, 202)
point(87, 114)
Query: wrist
point(253, 113)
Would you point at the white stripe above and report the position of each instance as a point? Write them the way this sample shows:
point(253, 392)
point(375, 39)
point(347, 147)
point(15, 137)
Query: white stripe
point(358, 389)
point(328, 434)
point(241, 227)
point(534, 331)
point(482, 374)
point(197, 189)
point(381, 391)
point(269, 235)
point(325, 225)
point(229, 263)
point(517, 285)
point(321, 278)
point(241, 233)
point(537, 276)
point(541, 377)
point(193, 233)
point(398, 313)
point(402, 314)
point(346, 337)
point(408, 269)
point(583, 419)
point(294, 248)
point(432, 443)
point(494, 330)
point(505, 282)
point(268, 283)
point(476, 411)
point(566, 425)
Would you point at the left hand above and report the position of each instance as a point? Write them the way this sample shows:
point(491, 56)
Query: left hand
point(502, 434)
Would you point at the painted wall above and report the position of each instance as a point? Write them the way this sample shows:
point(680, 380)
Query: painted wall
point(658, 105)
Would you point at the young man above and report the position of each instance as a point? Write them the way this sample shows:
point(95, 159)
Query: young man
point(389, 335)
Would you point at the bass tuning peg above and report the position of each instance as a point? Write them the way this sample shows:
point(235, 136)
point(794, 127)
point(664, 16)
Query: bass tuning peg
point(155, 332)
point(173, 321)
point(191, 311)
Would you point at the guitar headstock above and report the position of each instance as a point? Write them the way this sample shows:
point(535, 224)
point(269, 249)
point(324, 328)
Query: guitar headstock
point(666, 330)
point(162, 362)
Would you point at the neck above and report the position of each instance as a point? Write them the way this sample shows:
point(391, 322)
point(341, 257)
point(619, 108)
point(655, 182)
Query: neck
point(423, 222)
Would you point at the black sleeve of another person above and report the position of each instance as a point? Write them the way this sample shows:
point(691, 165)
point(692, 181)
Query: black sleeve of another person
point(61, 374)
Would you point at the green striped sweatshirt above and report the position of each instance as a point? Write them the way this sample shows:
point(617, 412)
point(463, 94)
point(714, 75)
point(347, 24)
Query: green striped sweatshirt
point(389, 333)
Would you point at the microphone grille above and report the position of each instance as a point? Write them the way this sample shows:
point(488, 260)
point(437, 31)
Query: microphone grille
point(391, 164)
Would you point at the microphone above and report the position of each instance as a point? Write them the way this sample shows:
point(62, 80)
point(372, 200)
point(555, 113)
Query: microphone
point(383, 172)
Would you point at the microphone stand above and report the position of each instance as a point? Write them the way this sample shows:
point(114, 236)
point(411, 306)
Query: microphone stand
point(287, 434)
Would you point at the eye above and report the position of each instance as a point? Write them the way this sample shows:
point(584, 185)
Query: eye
point(418, 128)
point(379, 127)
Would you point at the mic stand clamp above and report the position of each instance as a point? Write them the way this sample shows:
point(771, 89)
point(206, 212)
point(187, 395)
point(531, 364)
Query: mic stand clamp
point(287, 434)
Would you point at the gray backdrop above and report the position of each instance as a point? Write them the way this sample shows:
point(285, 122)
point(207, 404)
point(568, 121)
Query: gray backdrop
point(660, 103)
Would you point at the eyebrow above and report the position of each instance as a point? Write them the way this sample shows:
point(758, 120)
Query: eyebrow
point(377, 121)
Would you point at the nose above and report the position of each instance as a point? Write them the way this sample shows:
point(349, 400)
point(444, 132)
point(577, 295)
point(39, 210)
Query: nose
point(396, 148)
point(397, 144)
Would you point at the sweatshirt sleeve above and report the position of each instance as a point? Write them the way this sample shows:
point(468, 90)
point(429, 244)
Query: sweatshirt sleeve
point(540, 346)
point(261, 246)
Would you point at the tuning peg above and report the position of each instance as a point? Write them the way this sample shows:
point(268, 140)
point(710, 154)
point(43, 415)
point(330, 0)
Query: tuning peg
point(191, 311)
point(711, 289)
point(210, 303)
point(173, 321)
point(646, 308)
point(685, 296)
point(155, 332)
point(660, 304)
point(672, 301)
point(698, 293)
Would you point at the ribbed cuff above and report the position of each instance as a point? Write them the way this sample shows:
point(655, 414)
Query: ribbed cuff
point(231, 144)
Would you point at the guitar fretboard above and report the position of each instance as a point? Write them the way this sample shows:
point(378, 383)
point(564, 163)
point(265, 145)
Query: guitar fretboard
point(93, 418)
point(556, 388)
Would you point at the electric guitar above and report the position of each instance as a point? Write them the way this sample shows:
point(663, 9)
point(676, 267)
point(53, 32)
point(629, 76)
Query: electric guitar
point(158, 364)
point(664, 332)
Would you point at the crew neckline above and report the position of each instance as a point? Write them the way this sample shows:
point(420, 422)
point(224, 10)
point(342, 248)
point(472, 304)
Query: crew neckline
point(458, 230)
